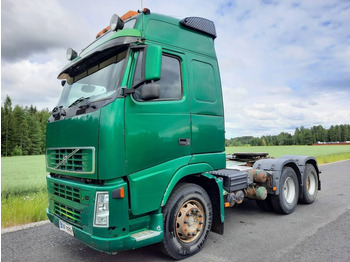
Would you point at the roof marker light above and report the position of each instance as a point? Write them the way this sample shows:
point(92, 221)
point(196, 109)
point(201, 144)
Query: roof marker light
point(104, 30)
point(128, 15)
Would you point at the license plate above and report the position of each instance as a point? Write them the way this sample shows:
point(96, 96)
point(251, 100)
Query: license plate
point(66, 228)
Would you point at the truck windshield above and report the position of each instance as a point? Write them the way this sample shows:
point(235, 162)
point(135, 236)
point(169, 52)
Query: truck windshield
point(97, 82)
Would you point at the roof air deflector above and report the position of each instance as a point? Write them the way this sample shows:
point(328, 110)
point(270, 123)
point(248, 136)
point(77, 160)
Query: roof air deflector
point(200, 24)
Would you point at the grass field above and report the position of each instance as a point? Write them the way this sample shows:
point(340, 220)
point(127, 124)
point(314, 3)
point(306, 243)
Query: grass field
point(23, 190)
point(23, 182)
point(21, 175)
point(323, 154)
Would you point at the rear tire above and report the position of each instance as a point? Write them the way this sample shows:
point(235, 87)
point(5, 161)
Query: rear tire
point(310, 184)
point(287, 199)
point(187, 221)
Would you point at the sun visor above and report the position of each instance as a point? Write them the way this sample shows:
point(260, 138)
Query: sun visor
point(80, 61)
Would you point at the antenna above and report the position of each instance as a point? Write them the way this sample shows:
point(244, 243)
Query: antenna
point(142, 32)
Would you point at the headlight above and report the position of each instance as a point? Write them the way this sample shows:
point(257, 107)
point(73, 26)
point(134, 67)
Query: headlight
point(101, 217)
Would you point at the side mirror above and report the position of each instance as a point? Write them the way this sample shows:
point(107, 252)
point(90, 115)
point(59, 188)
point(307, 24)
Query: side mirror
point(150, 91)
point(153, 62)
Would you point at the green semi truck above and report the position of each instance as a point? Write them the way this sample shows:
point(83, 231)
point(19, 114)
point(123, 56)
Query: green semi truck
point(135, 147)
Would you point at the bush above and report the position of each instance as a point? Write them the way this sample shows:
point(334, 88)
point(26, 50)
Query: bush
point(17, 151)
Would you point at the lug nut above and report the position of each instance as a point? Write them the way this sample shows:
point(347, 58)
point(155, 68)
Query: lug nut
point(185, 222)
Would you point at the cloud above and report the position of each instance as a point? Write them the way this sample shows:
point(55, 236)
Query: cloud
point(282, 64)
point(31, 83)
point(32, 27)
point(286, 56)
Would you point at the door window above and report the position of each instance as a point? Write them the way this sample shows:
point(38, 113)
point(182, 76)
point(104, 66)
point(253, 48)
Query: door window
point(170, 82)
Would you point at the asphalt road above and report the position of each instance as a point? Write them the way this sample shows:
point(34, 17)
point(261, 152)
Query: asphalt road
point(318, 232)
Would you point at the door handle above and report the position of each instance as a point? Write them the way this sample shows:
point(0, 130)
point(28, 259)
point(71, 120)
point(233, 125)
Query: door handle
point(184, 142)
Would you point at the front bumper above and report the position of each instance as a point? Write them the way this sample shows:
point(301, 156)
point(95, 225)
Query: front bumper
point(104, 244)
point(74, 203)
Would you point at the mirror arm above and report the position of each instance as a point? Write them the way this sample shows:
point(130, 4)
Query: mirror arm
point(125, 91)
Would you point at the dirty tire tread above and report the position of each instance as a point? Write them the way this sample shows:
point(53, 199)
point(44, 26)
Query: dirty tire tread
point(307, 198)
point(278, 202)
point(182, 193)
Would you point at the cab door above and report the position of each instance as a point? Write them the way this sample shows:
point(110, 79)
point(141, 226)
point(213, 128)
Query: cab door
point(158, 130)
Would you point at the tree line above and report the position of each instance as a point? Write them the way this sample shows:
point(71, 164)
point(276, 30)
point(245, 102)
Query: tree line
point(23, 132)
point(23, 129)
point(302, 136)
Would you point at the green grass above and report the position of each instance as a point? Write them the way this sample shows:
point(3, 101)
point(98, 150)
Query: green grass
point(332, 158)
point(23, 190)
point(21, 175)
point(18, 210)
point(23, 179)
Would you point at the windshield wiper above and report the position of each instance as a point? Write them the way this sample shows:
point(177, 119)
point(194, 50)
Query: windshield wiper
point(58, 112)
point(79, 100)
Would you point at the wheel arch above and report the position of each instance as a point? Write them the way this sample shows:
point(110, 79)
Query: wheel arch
point(212, 185)
point(312, 161)
point(302, 162)
point(275, 167)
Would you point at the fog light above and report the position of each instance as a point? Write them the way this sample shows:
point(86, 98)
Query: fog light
point(101, 217)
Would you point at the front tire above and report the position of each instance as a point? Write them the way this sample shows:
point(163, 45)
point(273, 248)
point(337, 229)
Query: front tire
point(187, 221)
point(310, 184)
point(287, 199)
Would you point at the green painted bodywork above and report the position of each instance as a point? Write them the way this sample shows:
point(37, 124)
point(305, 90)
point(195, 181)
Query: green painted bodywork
point(111, 141)
point(220, 185)
point(153, 63)
point(78, 131)
point(118, 235)
point(137, 144)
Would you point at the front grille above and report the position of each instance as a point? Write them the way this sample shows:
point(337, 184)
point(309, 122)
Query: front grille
point(67, 192)
point(71, 160)
point(67, 213)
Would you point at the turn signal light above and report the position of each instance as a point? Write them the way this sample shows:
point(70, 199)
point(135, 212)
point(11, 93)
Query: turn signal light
point(118, 193)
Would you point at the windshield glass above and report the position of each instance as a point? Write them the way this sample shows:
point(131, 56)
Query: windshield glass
point(99, 81)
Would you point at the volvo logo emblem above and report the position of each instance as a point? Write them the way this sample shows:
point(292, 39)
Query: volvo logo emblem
point(65, 158)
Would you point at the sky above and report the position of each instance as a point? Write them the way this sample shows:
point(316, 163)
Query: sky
point(284, 64)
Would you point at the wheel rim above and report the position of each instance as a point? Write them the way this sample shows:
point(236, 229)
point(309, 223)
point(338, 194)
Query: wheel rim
point(311, 183)
point(289, 190)
point(190, 220)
